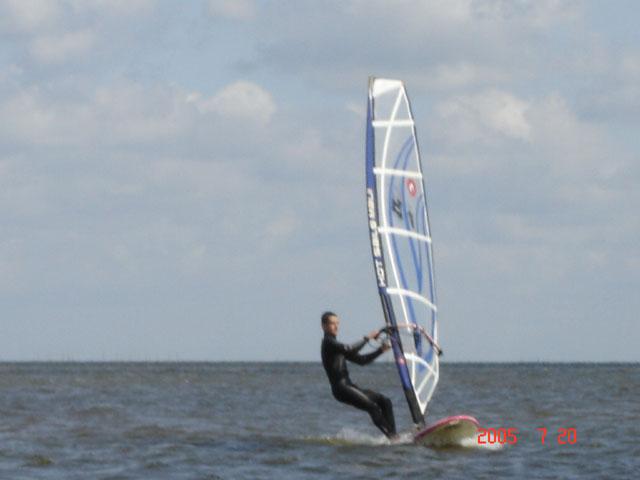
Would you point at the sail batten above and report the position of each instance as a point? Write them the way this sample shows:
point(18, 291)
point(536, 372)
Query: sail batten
point(404, 232)
point(401, 241)
point(397, 173)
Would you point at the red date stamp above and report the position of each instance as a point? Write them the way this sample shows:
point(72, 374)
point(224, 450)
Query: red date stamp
point(502, 436)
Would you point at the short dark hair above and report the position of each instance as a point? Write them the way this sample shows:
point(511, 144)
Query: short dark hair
point(325, 316)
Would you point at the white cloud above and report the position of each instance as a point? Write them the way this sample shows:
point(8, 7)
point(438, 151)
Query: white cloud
point(569, 146)
point(460, 75)
point(10, 73)
point(241, 99)
point(615, 90)
point(25, 118)
point(438, 12)
point(444, 44)
point(357, 108)
point(58, 31)
point(115, 7)
point(429, 80)
point(162, 152)
point(482, 116)
point(536, 13)
point(61, 47)
point(234, 9)
point(132, 114)
point(280, 229)
point(28, 15)
point(630, 66)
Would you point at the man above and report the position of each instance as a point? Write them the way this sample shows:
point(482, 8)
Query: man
point(334, 356)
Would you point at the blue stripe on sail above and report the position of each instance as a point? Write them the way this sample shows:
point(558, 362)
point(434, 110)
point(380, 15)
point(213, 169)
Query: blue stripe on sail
point(370, 154)
point(404, 154)
point(414, 245)
point(419, 221)
point(422, 214)
point(412, 242)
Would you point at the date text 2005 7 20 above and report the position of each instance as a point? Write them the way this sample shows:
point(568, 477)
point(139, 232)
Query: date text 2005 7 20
point(492, 436)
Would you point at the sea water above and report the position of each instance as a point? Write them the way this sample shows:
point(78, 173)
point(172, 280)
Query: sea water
point(279, 420)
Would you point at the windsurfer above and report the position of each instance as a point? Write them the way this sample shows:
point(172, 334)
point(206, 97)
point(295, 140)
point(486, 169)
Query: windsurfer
point(334, 356)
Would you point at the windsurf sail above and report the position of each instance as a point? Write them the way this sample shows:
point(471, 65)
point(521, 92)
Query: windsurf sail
point(401, 240)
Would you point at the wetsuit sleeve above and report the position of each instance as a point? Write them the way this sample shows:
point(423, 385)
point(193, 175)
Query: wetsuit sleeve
point(346, 350)
point(355, 357)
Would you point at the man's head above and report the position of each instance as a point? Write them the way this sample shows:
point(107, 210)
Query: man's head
point(330, 323)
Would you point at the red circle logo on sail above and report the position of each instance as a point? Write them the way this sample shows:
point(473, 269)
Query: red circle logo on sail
point(411, 186)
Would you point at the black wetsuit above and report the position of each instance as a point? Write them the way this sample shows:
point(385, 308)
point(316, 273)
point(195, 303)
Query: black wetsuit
point(334, 356)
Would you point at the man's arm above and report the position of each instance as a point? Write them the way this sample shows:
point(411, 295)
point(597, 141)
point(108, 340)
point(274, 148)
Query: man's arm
point(351, 351)
point(347, 350)
point(366, 358)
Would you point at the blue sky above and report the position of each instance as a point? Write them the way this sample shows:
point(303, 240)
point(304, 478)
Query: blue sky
point(185, 181)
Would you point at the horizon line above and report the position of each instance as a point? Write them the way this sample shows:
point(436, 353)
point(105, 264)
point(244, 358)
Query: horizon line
point(318, 362)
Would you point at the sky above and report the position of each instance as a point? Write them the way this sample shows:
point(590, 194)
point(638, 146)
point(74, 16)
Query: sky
point(185, 180)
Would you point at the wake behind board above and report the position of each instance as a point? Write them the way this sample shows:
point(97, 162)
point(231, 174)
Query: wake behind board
point(448, 432)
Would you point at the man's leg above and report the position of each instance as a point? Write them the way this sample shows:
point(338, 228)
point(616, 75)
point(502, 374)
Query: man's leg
point(355, 397)
point(386, 406)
